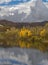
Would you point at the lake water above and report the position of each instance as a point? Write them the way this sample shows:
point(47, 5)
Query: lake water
point(18, 56)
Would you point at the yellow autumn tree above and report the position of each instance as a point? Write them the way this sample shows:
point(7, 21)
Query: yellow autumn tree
point(22, 44)
point(43, 32)
point(25, 32)
point(28, 45)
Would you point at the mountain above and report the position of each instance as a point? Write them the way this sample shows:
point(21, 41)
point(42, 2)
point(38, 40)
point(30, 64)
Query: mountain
point(38, 13)
point(19, 25)
point(31, 11)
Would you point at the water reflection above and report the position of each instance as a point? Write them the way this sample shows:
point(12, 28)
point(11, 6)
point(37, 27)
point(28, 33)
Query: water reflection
point(19, 56)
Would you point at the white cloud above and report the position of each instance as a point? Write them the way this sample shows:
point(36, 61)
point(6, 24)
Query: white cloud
point(5, 1)
point(34, 10)
point(5, 10)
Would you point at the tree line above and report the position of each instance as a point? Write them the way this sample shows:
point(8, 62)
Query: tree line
point(25, 37)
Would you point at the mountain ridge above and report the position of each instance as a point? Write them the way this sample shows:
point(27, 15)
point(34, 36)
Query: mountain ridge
point(21, 24)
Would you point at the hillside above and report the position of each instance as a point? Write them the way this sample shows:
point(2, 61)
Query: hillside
point(21, 24)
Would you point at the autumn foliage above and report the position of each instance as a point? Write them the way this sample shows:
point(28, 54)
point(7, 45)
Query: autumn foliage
point(25, 37)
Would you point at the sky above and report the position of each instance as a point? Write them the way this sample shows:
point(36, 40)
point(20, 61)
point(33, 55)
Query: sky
point(24, 10)
point(14, 2)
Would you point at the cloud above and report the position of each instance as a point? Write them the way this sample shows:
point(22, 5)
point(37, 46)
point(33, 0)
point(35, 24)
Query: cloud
point(34, 10)
point(5, 1)
point(46, 4)
point(6, 10)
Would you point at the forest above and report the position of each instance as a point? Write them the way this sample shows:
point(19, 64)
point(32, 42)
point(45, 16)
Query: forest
point(24, 37)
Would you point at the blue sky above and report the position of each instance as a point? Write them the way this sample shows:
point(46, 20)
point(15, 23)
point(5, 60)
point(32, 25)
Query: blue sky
point(45, 0)
point(14, 2)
